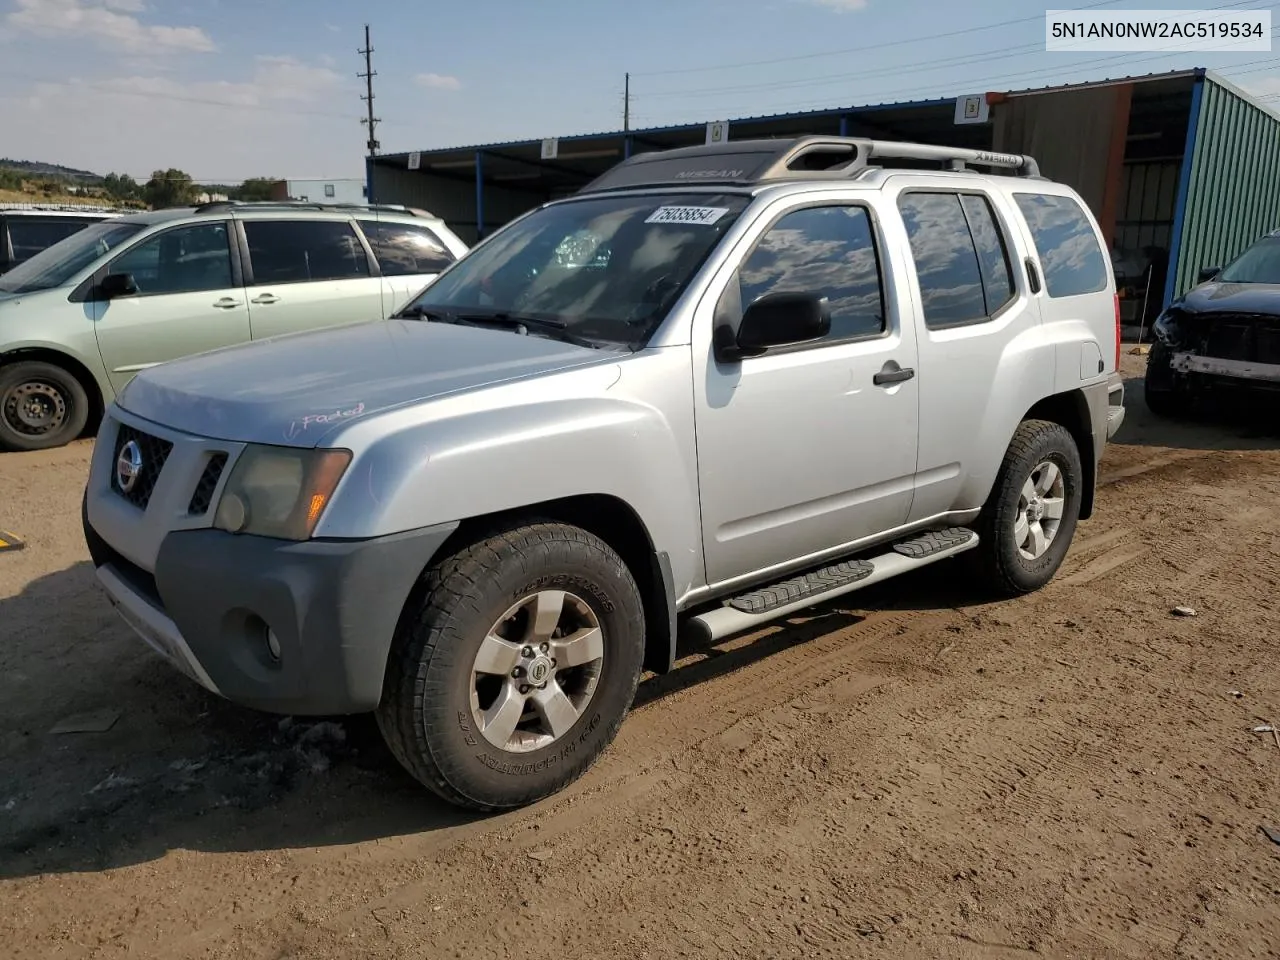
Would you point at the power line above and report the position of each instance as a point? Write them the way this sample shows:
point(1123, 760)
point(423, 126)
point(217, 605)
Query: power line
point(963, 59)
point(370, 121)
point(989, 81)
point(867, 48)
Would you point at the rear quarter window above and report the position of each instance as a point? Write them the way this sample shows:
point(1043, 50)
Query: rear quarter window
point(1070, 257)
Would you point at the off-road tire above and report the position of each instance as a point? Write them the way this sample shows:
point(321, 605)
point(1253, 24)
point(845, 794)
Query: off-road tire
point(70, 393)
point(996, 562)
point(425, 714)
point(1166, 394)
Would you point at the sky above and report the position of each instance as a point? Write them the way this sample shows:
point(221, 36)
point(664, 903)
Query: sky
point(229, 89)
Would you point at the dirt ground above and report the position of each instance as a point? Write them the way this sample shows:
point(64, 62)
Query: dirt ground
point(902, 774)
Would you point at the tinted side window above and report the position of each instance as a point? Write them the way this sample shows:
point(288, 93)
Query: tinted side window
point(30, 235)
point(401, 249)
point(993, 257)
point(182, 260)
point(945, 257)
point(829, 251)
point(298, 251)
point(1070, 257)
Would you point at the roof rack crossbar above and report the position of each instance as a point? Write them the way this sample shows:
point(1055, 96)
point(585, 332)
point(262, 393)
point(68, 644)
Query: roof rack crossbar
point(753, 162)
point(310, 205)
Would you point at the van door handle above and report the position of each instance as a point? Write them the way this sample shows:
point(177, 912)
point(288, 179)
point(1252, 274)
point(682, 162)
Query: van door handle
point(226, 303)
point(893, 376)
point(265, 298)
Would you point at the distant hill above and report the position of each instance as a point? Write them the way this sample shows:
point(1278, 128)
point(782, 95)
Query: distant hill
point(35, 168)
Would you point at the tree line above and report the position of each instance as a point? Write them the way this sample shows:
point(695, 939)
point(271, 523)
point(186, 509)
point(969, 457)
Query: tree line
point(165, 188)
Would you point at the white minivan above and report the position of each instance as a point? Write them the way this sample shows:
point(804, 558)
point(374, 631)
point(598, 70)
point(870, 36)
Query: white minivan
point(79, 319)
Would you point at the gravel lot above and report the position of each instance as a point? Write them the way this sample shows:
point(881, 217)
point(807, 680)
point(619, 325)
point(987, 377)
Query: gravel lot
point(901, 774)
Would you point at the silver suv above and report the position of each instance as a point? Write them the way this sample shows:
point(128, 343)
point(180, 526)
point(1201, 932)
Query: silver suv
point(79, 319)
point(717, 386)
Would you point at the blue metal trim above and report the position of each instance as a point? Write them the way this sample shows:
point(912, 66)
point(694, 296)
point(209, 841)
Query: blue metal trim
point(1184, 187)
point(844, 125)
point(368, 180)
point(626, 148)
point(479, 195)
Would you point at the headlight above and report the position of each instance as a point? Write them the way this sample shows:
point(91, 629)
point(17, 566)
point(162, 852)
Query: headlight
point(1165, 327)
point(279, 491)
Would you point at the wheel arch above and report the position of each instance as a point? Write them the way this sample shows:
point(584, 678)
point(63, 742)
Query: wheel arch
point(1071, 411)
point(615, 522)
point(77, 368)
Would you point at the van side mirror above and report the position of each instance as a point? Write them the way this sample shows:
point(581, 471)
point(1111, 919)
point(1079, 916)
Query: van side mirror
point(775, 320)
point(1208, 273)
point(118, 285)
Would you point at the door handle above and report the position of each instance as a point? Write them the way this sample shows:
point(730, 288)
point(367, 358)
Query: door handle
point(226, 303)
point(265, 298)
point(1033, 275)
point(893, 376)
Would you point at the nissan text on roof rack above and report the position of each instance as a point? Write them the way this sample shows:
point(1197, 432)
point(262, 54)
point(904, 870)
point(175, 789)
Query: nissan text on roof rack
point(717, 386)
point(78, 320)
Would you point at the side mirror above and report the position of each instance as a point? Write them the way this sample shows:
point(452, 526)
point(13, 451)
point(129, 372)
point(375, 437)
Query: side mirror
point(118, 285)
point(776, 320)
point(1208, 273)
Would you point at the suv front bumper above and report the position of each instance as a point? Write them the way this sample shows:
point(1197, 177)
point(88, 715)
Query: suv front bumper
point(332, 607)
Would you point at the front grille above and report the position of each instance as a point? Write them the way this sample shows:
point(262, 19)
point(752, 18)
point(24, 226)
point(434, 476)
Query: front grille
point(153, 453)
point(1240, 336)
point(202, 498)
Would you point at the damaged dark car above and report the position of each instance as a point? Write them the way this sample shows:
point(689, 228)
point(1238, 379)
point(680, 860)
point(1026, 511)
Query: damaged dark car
point(1223, 335)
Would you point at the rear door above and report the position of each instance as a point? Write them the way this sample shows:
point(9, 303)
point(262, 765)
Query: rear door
point(977, 326)
point(409, 256)
point(189, 300)
point(307, 273)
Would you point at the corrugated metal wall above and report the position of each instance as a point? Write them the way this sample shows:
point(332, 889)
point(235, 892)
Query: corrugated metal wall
point(1070, 132)
point(1233, 189)
point(454, 201)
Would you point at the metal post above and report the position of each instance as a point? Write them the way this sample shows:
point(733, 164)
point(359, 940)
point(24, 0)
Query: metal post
point(844, 126)
point(1184, 189)
point(479, 195)
point(626, 106)
point(626, 148)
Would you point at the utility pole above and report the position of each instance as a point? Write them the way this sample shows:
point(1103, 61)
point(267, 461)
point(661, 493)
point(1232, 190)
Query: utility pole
point(626, 106)
point(370, 121)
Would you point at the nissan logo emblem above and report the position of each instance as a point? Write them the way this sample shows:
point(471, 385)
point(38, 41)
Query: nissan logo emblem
point(129, 466)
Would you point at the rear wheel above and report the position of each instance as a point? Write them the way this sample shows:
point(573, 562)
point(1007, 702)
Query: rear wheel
point(515, 661)
point(1030, 517)
point(42, 406)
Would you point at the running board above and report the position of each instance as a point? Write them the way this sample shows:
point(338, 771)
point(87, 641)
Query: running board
point(750, 610)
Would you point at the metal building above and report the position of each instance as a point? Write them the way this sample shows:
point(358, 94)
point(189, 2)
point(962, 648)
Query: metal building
point(1182, 169)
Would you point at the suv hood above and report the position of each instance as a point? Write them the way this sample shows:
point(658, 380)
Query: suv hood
point(291, 390)
point(1210, 298)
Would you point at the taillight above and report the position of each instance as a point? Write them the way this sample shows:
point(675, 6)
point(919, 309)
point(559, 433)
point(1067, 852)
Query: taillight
point(1117, 332)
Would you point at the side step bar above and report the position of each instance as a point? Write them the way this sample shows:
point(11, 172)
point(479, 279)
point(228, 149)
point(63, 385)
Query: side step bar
point(750, 610)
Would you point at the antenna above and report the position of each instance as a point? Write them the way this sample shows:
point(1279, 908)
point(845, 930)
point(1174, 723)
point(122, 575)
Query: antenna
point(370, 121)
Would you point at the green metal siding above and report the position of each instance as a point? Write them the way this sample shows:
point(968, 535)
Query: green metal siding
point(1233, 194)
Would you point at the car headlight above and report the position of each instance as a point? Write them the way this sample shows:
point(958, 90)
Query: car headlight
point(1165, 327)
point(279, 491)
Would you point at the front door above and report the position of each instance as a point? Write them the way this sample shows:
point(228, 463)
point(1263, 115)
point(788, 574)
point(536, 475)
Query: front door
point(801, 451)
point(189, 300)
point(307, 274)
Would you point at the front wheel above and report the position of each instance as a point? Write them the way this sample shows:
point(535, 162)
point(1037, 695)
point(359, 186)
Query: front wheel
point(1029, 518)
point(515, 661)
point(42, 406)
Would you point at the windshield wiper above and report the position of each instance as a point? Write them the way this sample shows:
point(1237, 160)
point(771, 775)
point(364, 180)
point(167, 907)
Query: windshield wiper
point(416, 311)
point(514, 320)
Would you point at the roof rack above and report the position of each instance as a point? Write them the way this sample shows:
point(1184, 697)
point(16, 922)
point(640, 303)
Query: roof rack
point(60, 208)
point(311, 205)
point(751, 162)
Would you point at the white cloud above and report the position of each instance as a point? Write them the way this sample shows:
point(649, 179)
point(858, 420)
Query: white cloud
point(106, 21)
point(272, 122)
point(438, 81)
point(841, 6)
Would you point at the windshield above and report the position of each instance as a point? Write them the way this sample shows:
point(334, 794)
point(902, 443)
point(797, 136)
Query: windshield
point(1259, 264)
point(56, 265)
point(602, 270)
